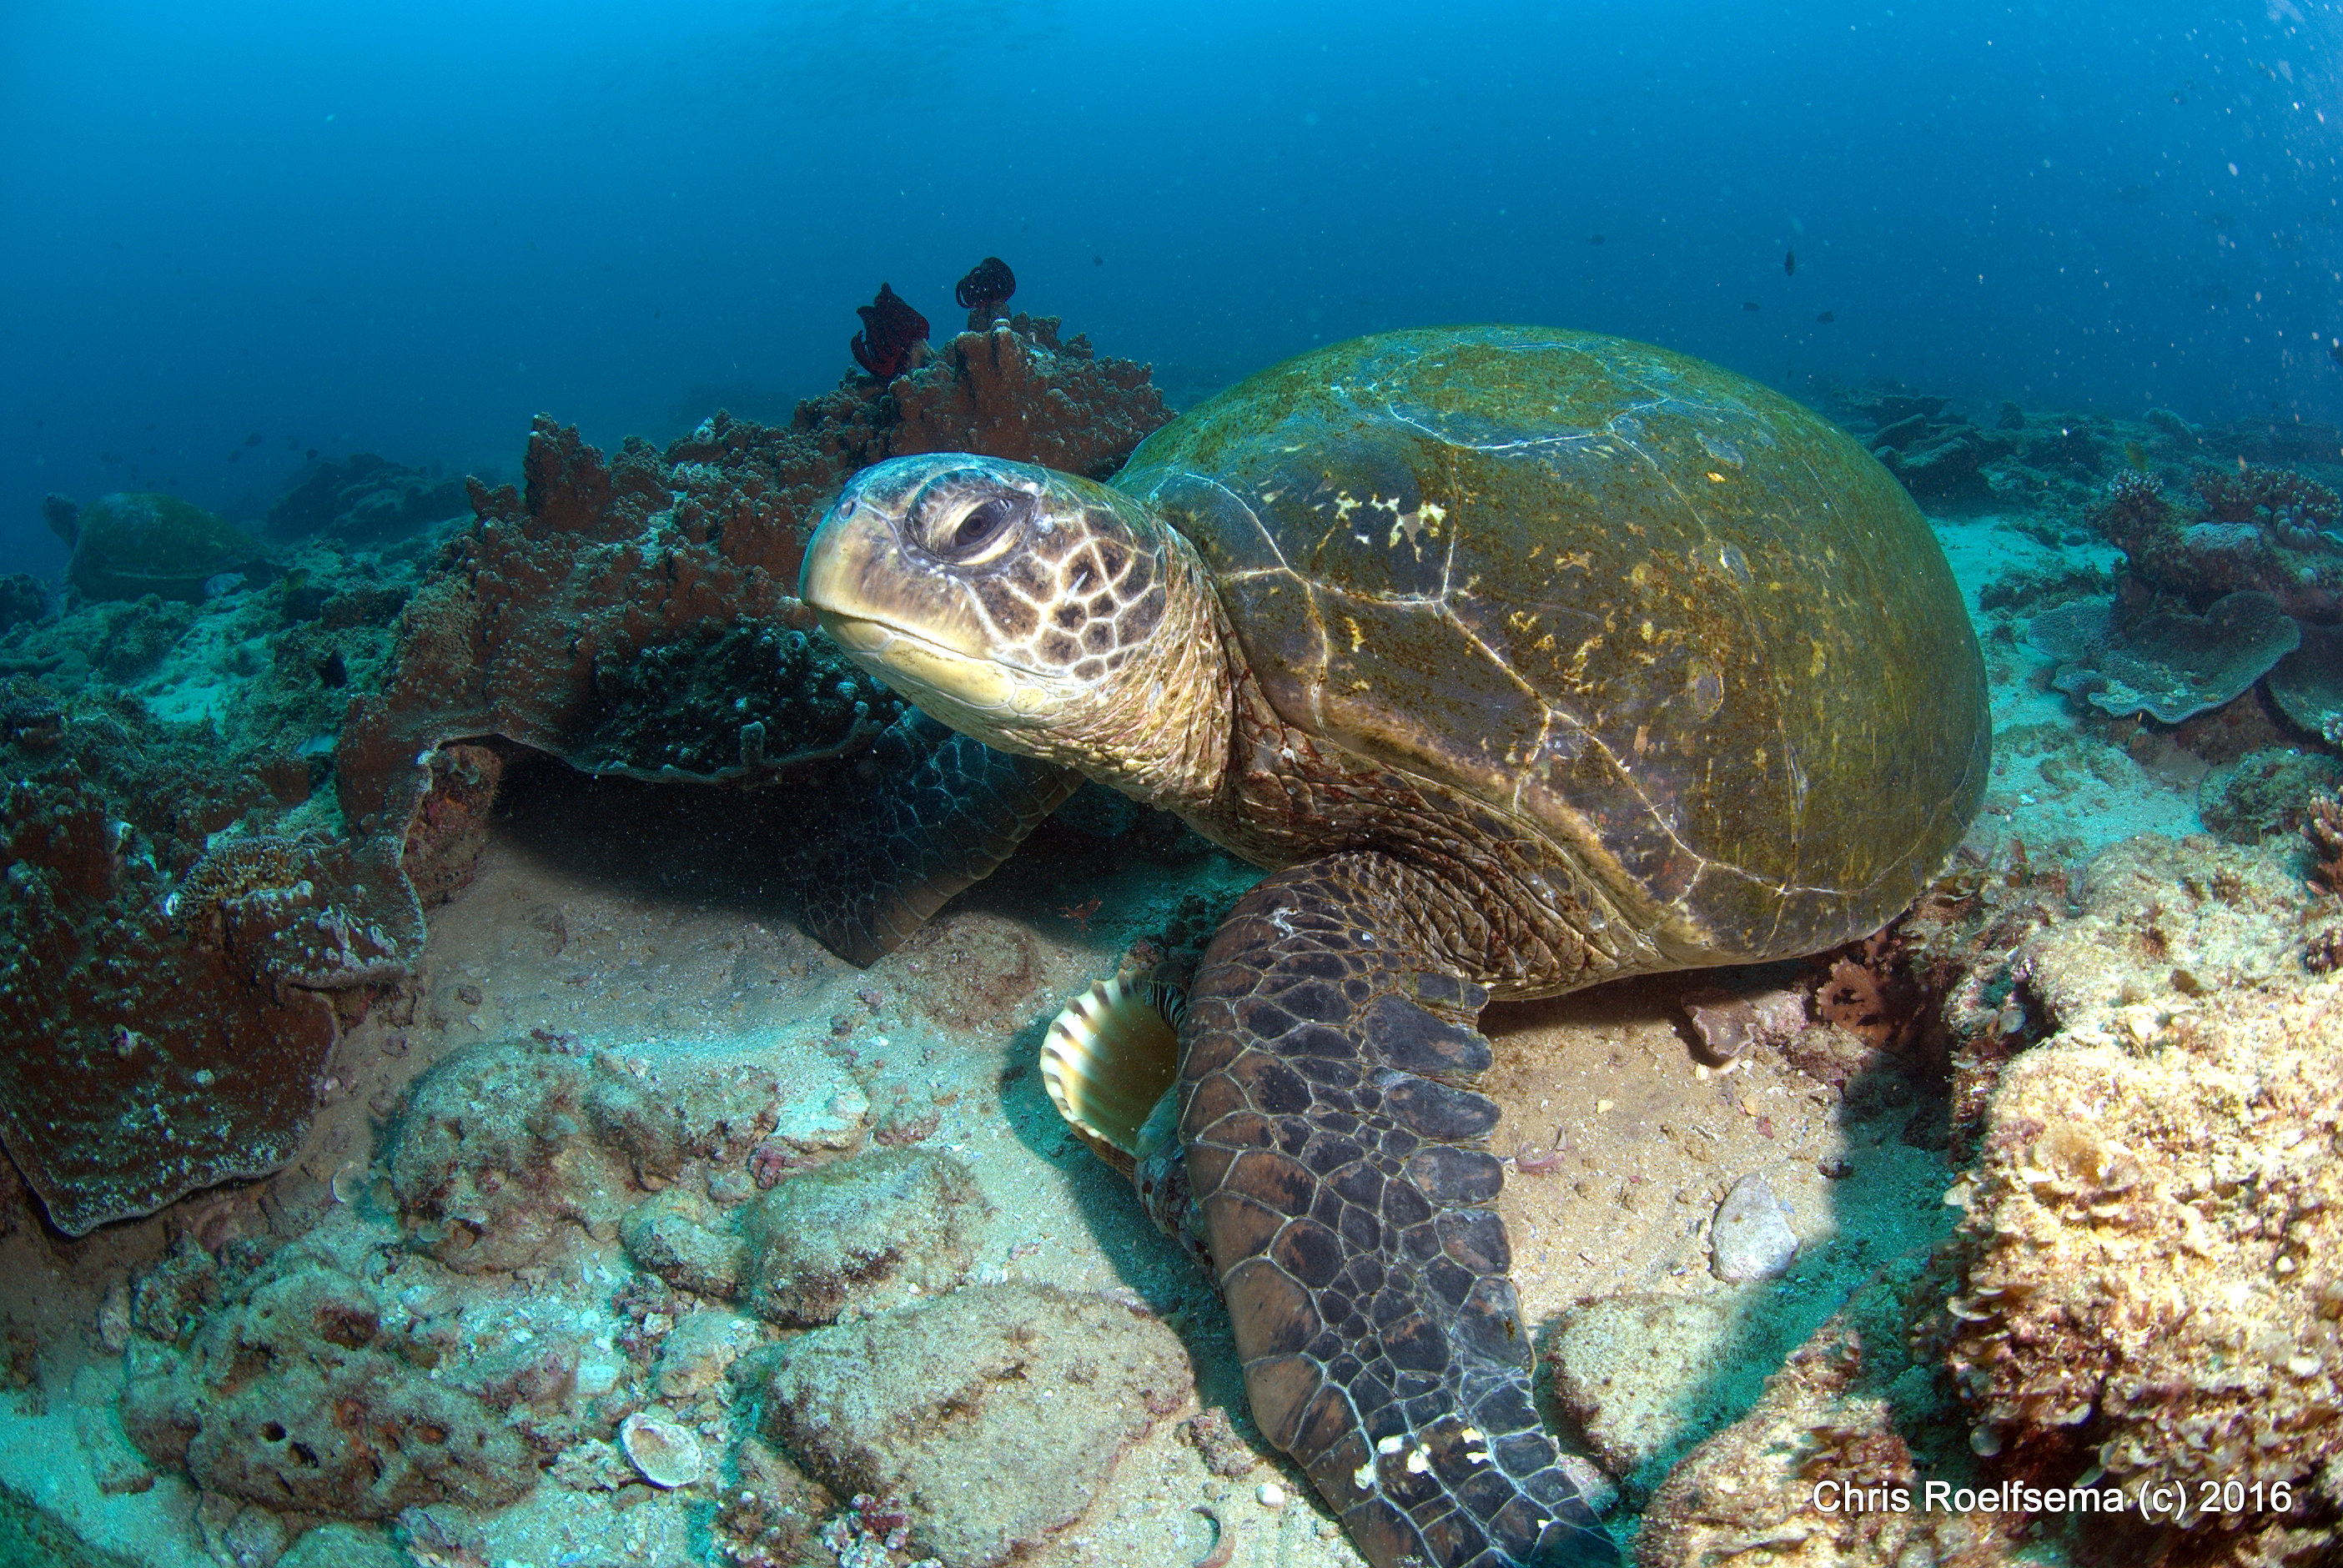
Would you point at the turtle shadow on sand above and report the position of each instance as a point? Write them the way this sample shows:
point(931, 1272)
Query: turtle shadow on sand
point(1644, 1352)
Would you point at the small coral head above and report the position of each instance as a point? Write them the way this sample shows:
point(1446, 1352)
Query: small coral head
point(890, 330)
point(1002, 598)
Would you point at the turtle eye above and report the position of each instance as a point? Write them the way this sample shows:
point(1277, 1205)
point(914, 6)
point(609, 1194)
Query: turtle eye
point(974, 533)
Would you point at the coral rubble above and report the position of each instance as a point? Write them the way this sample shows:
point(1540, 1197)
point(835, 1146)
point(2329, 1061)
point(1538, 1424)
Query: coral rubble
point(294, 1393)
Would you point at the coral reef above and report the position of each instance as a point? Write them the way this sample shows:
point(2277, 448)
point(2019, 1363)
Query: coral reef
point(1940, 460)
point(890, 331)
point(2296, 511)
point(2150, 1288)
point(167, 1027)
point(629, 616)
point(2264, 793)
point(364, 499)
point(129, 545)
point(948, 1406)
point(2166, 662)
point(24, 599)
point(2265, 529)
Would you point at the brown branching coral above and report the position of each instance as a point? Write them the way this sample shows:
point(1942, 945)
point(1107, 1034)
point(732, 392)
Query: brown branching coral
point(2323, 826)
point(2132, 498)
point(2295, 509)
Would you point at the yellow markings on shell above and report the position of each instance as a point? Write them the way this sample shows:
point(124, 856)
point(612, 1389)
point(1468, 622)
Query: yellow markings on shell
point(1641, 574)
point(1358, 634)
point(1821, 660)
point(1716, 478)
point(1345, 504)
point(1648, 630)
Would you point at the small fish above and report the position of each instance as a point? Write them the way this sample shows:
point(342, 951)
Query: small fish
point(1748, 305)
point(2136, 455)
point(1825, 318)
point(2335, 349)
point(1594, 239)
point(235, 453)
point(332, 671)
point(296, 580)
point(1789, 264)
point(253, 439)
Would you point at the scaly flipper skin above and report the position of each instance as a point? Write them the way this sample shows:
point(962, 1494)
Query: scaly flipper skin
point(1349, 1195)
point(945, 812)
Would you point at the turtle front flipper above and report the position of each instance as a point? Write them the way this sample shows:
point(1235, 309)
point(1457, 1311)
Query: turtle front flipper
point(942, 813)
point(1349, 1197)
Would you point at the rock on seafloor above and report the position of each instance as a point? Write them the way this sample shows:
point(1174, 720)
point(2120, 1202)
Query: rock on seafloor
point(1752, 1238)
point(996, 1414)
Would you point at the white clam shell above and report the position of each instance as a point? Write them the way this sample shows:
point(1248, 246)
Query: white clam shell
point(1110, 1061)
point(667, 1452)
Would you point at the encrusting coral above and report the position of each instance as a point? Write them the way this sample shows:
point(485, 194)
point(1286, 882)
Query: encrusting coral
point(2154, 1231)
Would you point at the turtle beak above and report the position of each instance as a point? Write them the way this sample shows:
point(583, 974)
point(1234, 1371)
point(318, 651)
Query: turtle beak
point(910, 624)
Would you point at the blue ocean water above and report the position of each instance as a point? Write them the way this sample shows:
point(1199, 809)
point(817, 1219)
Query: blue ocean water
point(239, 233)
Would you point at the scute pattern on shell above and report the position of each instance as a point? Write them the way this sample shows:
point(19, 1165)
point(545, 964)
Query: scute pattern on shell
point(1670, 619)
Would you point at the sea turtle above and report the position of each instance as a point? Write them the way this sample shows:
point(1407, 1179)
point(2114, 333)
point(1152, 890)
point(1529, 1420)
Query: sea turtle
point(133, 543)
point(1522, 659)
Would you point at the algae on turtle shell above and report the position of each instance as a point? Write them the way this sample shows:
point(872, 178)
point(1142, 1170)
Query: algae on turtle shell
point(133, 543)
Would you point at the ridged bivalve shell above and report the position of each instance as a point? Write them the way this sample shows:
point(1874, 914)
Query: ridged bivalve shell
point(1110, 1061)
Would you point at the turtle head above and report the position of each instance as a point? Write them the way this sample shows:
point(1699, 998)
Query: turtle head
point(1016, 604)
